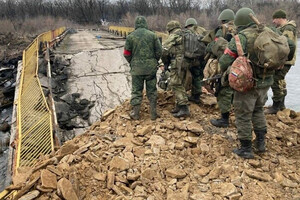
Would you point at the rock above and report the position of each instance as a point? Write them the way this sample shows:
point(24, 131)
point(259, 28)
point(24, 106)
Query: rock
point(180, 125)
point(48, 179)
point(214, 173)
point(284, 116)
point(288, 183)
point(119, 164)
point(139, 191)
point(192, 140)
point(195, 128)
point(156, 140)
point(100, 176)
point(30, 195)
point(149, 174)
point(258, 175)
point(254, 163)
point(179, 195)
point(175, 173)
point(110, 179)
point(107, 114)
point(202, 196)
point(65, 188)
point(236, 196)
point(68, 148)
point(144, 130)
point(203, 171)
point(133, 177)
point(204, 147)
point(22, 176)
point(224, 189)
point(123, 142)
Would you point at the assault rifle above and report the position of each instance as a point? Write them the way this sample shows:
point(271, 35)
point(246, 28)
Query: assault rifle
point(215, 77)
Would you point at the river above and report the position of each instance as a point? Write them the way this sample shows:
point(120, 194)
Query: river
point(293, 89)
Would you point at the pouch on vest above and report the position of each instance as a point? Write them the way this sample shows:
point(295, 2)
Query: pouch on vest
point(271, 49)
point(193, 46)
point(240, 74)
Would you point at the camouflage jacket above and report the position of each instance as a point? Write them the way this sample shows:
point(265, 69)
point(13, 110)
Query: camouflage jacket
point(225, 31)
point(290, 31)
point(173, 49)
point(262, 79)
point(142, 50)
point(197, 30)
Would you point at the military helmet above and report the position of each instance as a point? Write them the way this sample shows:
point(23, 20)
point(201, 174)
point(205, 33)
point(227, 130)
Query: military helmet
point(242, 17)
point(190, 21)
point(172, 25)
point(227, 15)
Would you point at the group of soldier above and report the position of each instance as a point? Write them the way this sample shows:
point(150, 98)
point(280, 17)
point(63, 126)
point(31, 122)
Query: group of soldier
point(145, 54)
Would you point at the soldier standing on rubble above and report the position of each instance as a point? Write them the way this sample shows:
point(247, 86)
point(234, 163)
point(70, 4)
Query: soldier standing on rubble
point(248, 106)
point(288, 29)
point(195, 66)
point(172, 56)
point(225, 93)
point(143, 50)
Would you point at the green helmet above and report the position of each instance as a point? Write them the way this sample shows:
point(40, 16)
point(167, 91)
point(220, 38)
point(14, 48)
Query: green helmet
point(190, 21)
point(227, 15)
point(242, 17)
point(172, 25)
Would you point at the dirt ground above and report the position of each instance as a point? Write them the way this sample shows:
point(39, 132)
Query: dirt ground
point(167, 159)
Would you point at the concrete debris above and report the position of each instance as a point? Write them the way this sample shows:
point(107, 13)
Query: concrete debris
point(166, 159)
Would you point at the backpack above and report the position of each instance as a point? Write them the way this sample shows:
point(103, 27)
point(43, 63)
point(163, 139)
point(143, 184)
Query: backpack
point(219, 46)
point(193, 46)
point(271, 49)
point(240, 73)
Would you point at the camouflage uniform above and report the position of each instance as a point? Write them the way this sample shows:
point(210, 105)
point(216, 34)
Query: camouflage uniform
point(224, 93)
point(143, 50)
point(173, 52)
point(248, 106)
point(195, 66)
point(279, 87)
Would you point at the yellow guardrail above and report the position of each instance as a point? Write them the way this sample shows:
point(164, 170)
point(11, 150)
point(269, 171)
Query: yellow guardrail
point(124, 31)
point(34, 118)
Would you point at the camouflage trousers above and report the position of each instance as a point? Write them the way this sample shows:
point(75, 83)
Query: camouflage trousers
point(138, 86)
point(196, 69)
point(279, 85)
point(177, 80)
point(249, 110)
point(224, 98)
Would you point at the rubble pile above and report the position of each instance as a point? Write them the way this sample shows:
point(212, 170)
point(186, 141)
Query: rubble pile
point(166, 159)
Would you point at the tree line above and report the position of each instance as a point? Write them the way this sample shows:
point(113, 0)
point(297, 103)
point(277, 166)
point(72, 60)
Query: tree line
point(157, 11)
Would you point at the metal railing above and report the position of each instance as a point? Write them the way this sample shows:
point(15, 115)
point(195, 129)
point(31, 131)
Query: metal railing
point(34, 118)
point(124, 31)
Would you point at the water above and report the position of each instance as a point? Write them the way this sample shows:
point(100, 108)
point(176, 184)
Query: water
point(293, 89)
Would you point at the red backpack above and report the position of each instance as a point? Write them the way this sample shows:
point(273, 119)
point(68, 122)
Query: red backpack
point(240, 74)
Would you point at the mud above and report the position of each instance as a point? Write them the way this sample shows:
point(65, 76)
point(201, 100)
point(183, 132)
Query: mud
point(169, 158)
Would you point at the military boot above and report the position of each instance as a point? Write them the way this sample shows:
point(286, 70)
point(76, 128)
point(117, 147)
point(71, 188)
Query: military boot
point(282, 104)
point(246, 149)
point(195, 98)
point(274, 108)
point(222, 122)
point(176, 109)
point(183, 111)
point(135, 112)
point(259, 142)
point(153, 111)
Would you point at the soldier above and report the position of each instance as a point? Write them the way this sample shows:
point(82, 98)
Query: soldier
point(173, 51)
point(195, 65)
point(248, 106)
point(143, 50)
point(288, 29)
point(223, 92)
